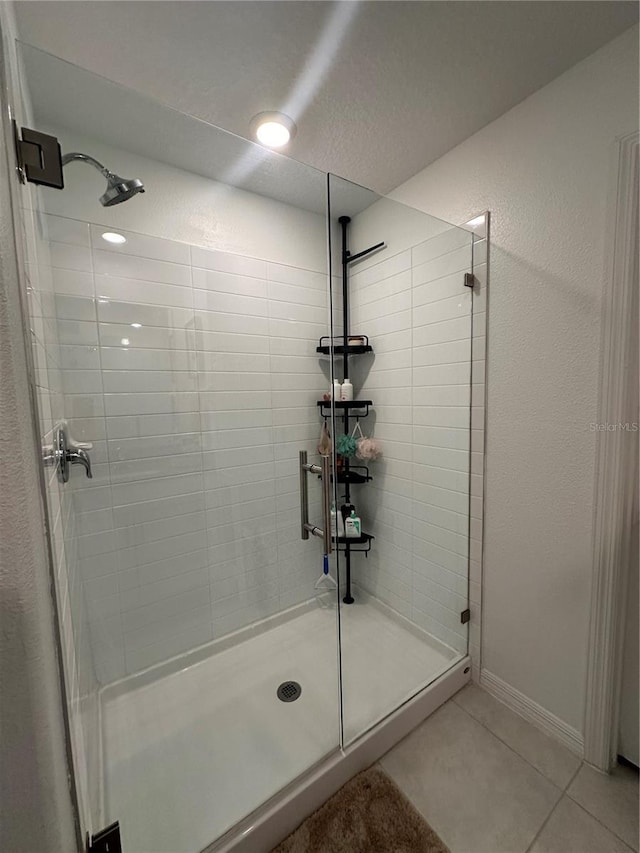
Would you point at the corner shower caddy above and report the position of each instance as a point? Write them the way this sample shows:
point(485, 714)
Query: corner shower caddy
point(351, 409)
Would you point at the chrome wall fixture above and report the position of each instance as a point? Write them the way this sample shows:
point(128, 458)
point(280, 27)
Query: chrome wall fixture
point(118, 189)
point(64, 453)
point(40, 161)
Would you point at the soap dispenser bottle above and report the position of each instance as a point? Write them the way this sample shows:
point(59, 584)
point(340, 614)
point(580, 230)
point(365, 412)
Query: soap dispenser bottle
point(353, 526)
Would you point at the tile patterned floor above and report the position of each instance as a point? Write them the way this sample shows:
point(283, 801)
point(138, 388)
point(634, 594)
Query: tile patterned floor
point(489, 782)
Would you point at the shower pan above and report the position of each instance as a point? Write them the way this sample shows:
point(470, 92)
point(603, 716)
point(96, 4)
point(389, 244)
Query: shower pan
point(215, 692)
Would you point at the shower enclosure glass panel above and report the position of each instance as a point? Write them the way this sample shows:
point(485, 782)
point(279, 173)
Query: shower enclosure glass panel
point(405, 581)
point(185, 355)
point(188, 339)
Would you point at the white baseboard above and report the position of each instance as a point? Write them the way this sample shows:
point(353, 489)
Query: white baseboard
point(533, 713)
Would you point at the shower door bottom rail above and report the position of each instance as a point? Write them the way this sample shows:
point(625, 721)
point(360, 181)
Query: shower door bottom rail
point(106, 841)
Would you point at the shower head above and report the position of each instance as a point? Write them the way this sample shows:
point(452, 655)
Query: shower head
point(118, 189)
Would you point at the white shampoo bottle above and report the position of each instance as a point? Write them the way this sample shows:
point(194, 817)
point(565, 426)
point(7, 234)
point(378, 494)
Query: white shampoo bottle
point(346, 391)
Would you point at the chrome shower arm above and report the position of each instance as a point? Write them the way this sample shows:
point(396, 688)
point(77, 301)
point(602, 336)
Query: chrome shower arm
point(118, 189)
point(86, 158)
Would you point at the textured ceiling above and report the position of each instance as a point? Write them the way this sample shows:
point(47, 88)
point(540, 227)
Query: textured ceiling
point(379, 89)
point(67, 98)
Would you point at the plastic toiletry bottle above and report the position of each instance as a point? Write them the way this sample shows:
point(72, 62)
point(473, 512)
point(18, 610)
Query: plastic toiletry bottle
point(353, 526)
point(345, 512)
point(337, 390)
point(334, 521)
point(337, 522)
point(346, 391)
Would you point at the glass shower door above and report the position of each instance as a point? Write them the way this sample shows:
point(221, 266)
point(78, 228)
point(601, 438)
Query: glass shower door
point(201, 353)
point(202, 666)
point(402, 301)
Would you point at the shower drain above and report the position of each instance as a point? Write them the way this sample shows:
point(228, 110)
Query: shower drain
point(289, 691)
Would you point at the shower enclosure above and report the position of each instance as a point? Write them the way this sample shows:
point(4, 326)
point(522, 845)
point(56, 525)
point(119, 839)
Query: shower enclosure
point(216, 653)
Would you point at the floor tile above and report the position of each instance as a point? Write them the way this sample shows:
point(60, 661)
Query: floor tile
point(478, 795)
point(548, 756)
point(571, 829)
point(613, 799)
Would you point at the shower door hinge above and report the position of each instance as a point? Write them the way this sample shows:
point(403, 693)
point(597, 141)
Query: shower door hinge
point(39, 157)
point(469, 279)
point(465, 616)
point(106, 841)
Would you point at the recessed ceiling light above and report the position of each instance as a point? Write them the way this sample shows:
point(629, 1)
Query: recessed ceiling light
point(112, 237)
point(272, 129)
point(136, 325)
point(125, 342)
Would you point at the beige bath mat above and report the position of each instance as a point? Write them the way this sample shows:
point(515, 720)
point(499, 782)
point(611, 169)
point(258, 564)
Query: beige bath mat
point(368, 815)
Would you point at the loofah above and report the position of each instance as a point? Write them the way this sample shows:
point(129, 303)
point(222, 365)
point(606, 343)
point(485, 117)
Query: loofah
point(369, 448)
point(324, 444)
point(346, 445)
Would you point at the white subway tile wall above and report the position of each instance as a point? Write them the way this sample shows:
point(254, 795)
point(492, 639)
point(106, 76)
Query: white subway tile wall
point(193, 372)
point(418, 314)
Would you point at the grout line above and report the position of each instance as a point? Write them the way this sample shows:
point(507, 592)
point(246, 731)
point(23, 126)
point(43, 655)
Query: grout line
point(561, 791)
point(570, 782)
point(590, 813)
point(526, 760)
point(544, 823)
point(565, 793)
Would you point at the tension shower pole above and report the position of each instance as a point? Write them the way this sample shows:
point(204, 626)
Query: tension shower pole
point(344, 222)
point(347, 258)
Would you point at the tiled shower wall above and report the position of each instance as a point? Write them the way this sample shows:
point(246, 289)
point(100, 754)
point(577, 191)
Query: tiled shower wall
point(193, 373)
point(417, 311)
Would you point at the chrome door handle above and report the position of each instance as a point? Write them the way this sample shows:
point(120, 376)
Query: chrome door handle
point(64, 452)
point(324, 470)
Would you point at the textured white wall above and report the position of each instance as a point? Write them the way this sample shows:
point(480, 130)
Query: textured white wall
point(377, 93)
point(543, 170)
point(36, 806)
